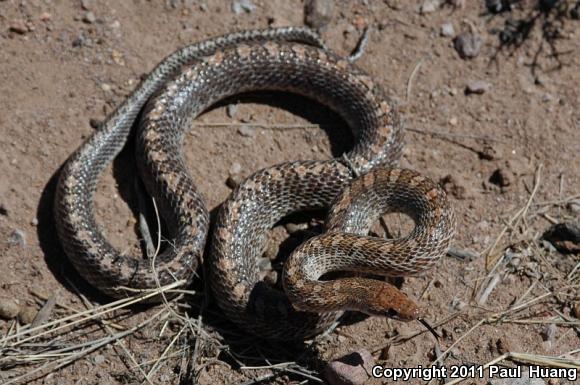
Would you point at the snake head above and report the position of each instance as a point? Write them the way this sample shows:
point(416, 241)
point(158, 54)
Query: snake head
point(393, 303)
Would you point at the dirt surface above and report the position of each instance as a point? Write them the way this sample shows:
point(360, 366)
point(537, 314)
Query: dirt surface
point(63, 63)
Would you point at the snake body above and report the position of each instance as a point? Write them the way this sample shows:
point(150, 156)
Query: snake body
point(184, 85)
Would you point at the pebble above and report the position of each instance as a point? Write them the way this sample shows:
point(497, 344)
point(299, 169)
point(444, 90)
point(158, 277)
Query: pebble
point(573, 206)
point(17, 238)
point(19, 26)
point(318, 13)
point(27, 314)
point(89, 17)
point(86, 4)
point(549, 332)
point(34, 222)
point(239, 6)
point(246, 131)
point(99, 359)
point(453, 121)
point(477, 87)
point(45, 16)
point(352, 369)
point(447, 30)
point(234, 181)
point(468, 45)
point(235, 175)
point(429, 6)
point(9, 308)
point(488, 152)
point(500, 178)
point(271, 250)
point(235, 168)
point(231, 110)
point(292, 228)
point(547, 245)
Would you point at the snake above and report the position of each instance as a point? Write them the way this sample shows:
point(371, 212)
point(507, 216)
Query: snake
point(355, 189)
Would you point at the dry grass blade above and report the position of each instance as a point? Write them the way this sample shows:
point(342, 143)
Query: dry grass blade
point(68, 359)
point(85, 315)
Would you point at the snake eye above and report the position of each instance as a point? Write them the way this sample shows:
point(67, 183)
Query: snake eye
point(392, 313)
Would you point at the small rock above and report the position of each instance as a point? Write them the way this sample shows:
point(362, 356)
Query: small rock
point(547, 245)
point(106, 87)
point(573, 206)
point(99, 359)
point(359, 22)
point(292, 228)
point(547, 97)
point(246, 131)
point(429, 6)
point(453, 121)
point(231, 110)
point(235, 175)
point(501, 178)
point(549, 332)
point(117, 57)
point(27, 314)
point(468, 45)
point(89, 17)
point(239, 6)
point(86, 4)
point(488, 152)
point(271, 277)
point(447, 30)
point(19, 26)
point(9, 308)
point(234, 181)
point(477, 87)
point(235, 168)
point(352, 369)
point(271, 250)
point(576, 310)
point(45, 16)
point(318, 13)
point(34, 222)
point(17, 238)
point(564, 236)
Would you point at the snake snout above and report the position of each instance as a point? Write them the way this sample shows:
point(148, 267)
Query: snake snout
point(393, 303)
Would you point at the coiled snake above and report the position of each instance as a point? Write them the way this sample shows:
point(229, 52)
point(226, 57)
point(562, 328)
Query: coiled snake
point(181, 87)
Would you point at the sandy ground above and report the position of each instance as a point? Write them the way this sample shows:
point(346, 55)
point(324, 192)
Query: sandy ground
point(60, 67)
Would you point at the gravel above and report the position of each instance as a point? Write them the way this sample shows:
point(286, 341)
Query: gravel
point(468, 45)
point(318, 13)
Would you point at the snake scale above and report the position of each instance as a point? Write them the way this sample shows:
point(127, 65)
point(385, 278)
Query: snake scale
point(357, 188)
